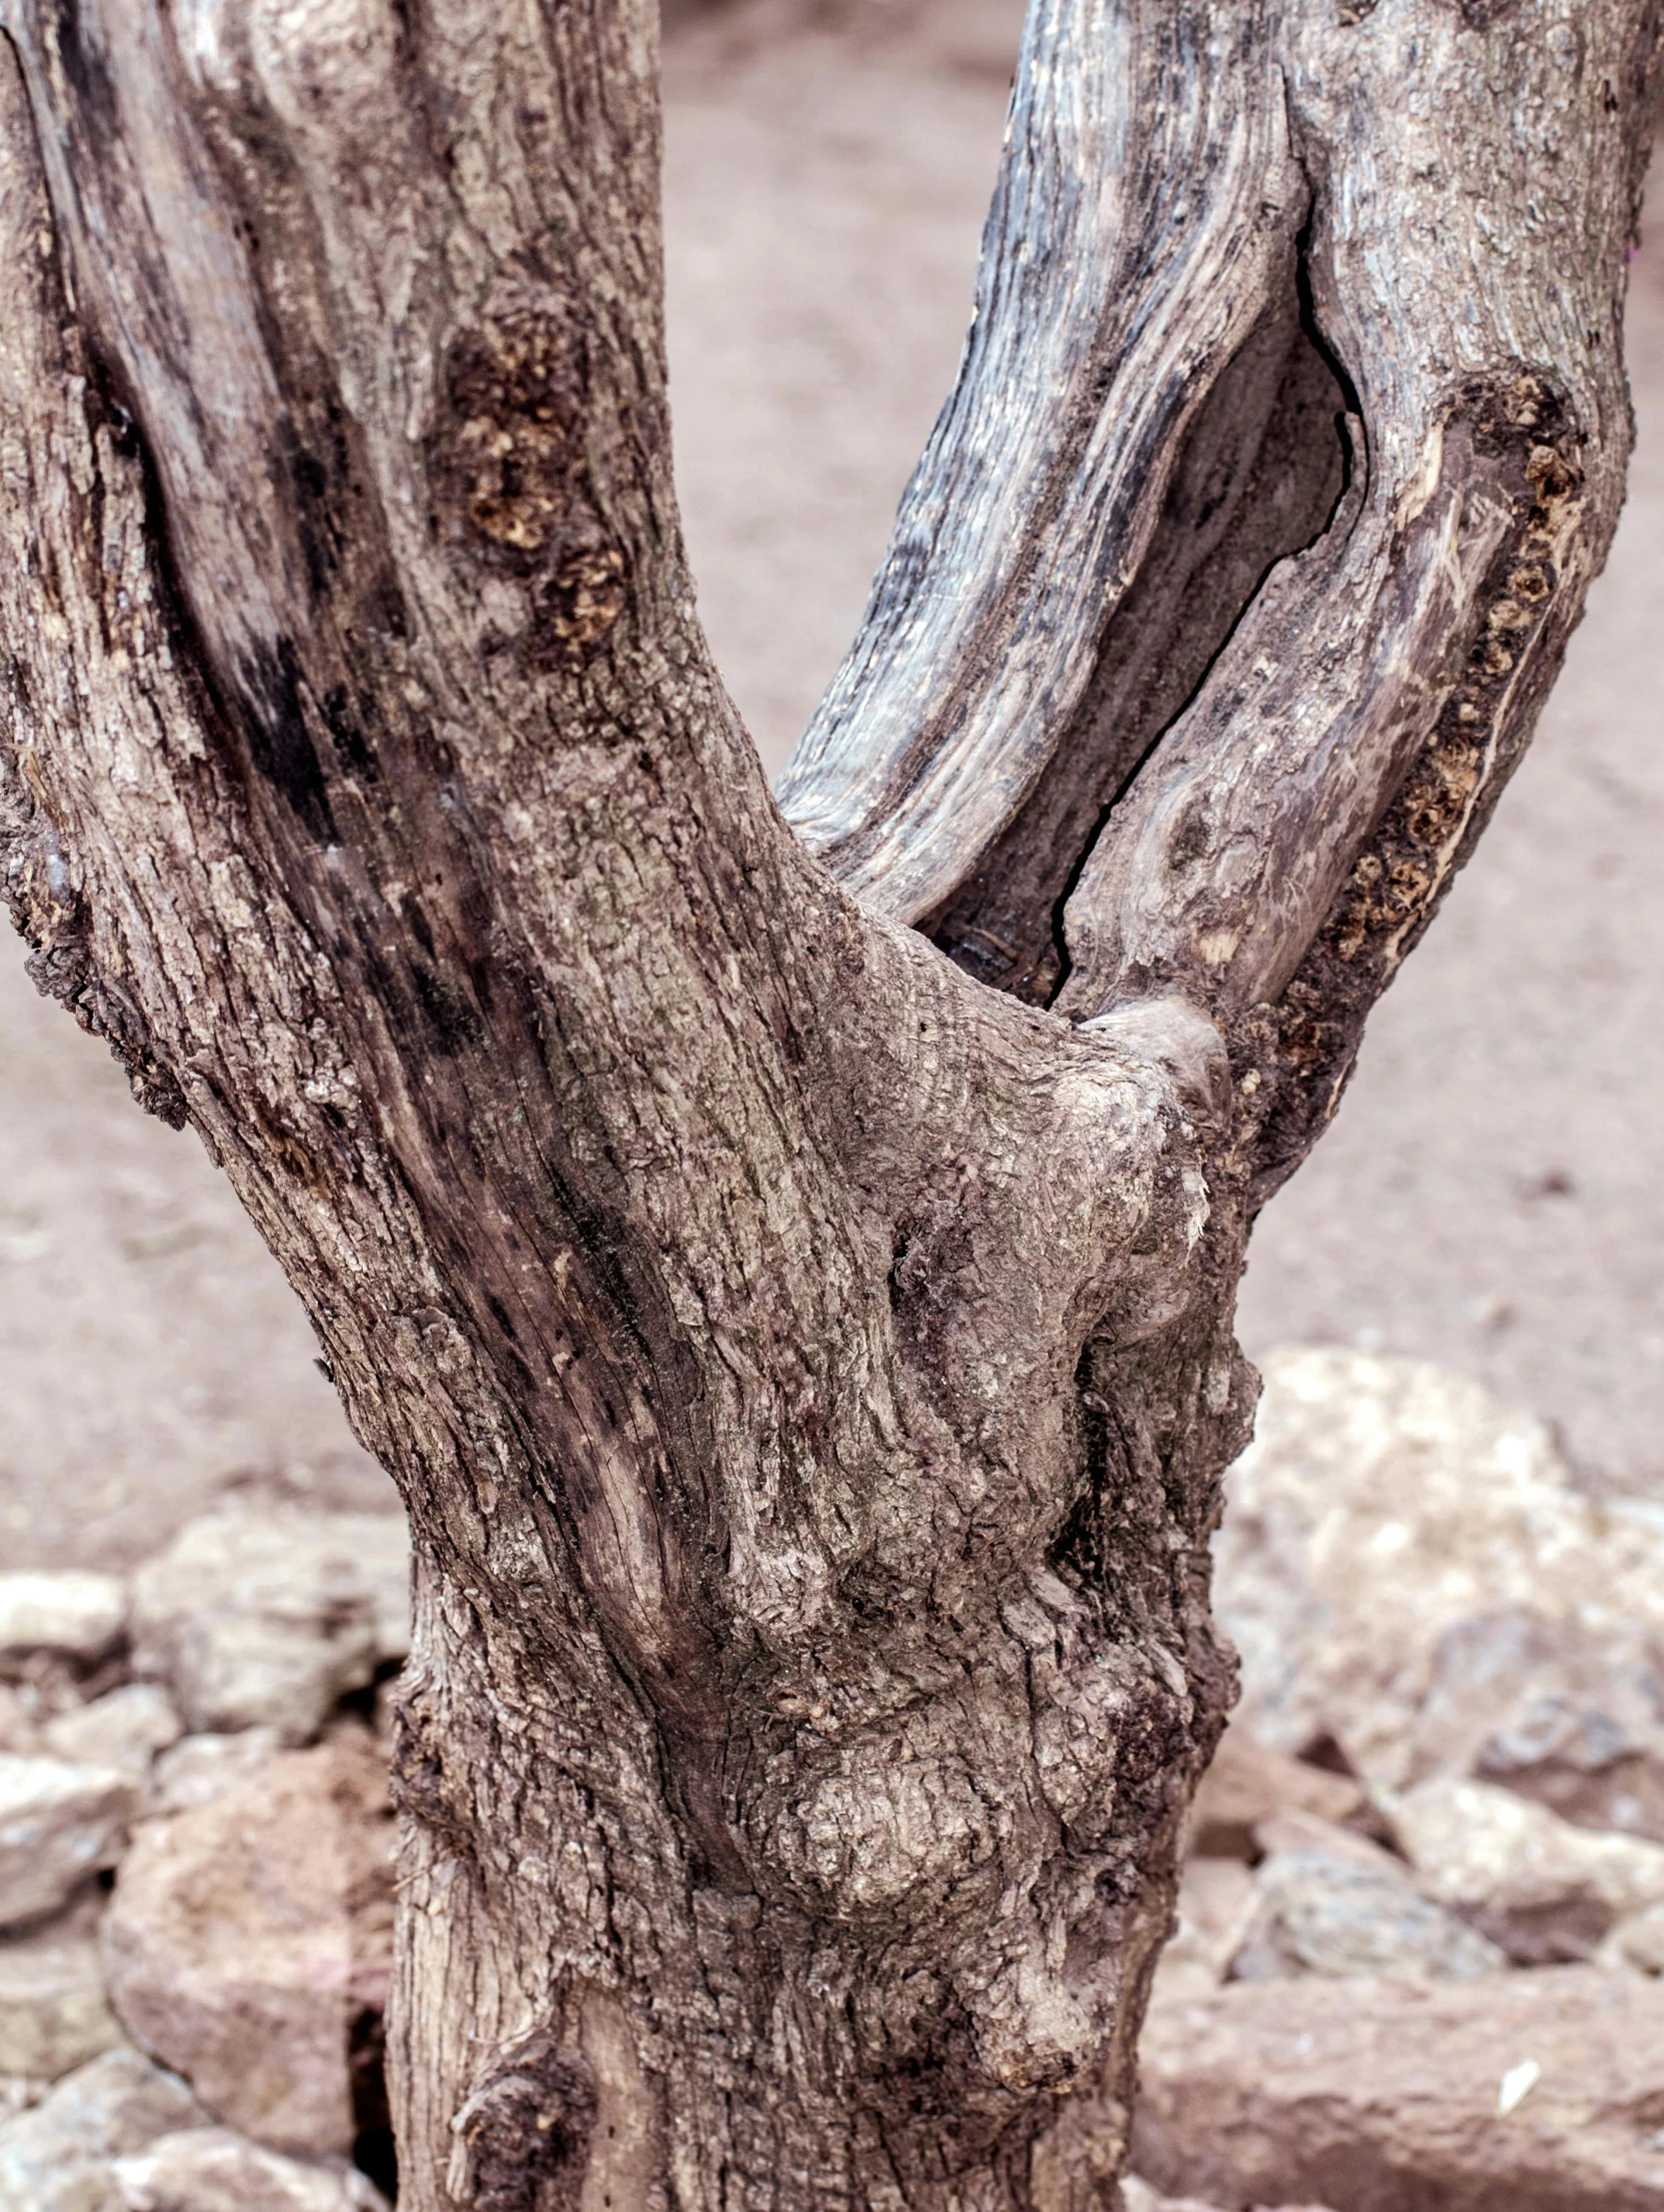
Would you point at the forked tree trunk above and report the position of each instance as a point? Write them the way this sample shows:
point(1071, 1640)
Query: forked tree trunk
point(787, 1262)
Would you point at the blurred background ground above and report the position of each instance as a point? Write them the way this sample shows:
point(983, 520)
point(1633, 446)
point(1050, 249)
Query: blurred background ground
point(1492, 1195)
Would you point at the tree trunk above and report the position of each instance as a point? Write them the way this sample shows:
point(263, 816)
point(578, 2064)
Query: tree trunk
point(808, 1370)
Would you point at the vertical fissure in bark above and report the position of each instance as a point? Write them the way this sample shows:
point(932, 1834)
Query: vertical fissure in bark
point(1260, 476)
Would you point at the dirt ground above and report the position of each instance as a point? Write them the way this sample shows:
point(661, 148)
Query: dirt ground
point(1492, 1195)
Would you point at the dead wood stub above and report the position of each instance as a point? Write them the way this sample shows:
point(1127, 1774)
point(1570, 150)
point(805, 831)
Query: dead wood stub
point(1257, 478)
point(523, 2136)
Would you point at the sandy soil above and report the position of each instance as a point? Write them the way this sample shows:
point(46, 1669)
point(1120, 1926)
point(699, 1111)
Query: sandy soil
point(1492, 1195)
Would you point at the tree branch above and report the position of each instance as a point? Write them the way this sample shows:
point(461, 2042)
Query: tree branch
point(1116, 726)
point(1144, 224)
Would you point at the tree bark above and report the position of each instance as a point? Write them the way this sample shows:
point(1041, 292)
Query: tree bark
point(808, 1370)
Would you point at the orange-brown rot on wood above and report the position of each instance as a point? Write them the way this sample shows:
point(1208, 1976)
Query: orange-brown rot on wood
point(510, 476)
point(511, 451)
point(581, 603)
point(1520, 434)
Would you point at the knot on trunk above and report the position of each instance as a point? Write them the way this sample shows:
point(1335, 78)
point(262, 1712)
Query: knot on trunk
point(522, 2137)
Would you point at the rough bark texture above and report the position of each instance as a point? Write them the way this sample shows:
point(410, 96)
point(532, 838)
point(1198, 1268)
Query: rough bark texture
point(808, 1370)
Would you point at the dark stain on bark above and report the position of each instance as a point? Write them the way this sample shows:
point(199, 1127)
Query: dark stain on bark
point(309, 480)
point(280, 746)
point(88, 78)
point(454, 1022)
point(349, 727)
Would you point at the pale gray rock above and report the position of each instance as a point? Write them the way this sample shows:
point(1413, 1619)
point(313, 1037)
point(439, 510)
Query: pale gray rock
point(1638, 1941)
point(1550, 1710)
point(127, 1728)
point(1138, 2196)
point(197, 1769)
point(53, 2012)
point(1388, 2096)
point(1407, 1569)
point(58, 2156)
point(1217, 1901)
point(267, 1615)
point(19, 1722)
point(1336, 1909)
point(216, 2170)
point(245, 1936)
point(1545, 1889)
point(59, 1823)
point(72, 1614)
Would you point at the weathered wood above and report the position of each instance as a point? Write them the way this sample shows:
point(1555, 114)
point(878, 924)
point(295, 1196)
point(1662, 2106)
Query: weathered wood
point(1144, 222)
point(1467, 176)
point(1259, 477)
point(808, 1370)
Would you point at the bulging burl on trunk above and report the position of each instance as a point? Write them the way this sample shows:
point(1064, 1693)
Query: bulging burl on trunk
point(786, 1253)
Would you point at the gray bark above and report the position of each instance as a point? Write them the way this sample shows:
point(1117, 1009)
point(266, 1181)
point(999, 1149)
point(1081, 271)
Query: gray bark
point(808, 1370)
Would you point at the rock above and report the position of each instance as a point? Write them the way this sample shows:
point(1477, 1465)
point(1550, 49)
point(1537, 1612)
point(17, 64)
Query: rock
point(77, 1617)
point(57, 2157)
point(1551, 1711)
point(1407, 1571)
point(1637, 1941)
point(1138, 2196)
point(1331, 1903)
point(1216, 1898)
point(197, 1769)
point(126, 1728)
point(53, 2012)
point(248, 1943)
point(1388, 2096)
point(1543, 1888)
point(214, 2170)
point(1248, 1782)
point(19, 1734)
point(268, 1615)
point(58, 1823)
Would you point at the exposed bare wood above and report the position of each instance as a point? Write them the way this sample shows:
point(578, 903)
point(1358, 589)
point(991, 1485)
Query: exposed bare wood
point(1144, 226)
point(808, 1370)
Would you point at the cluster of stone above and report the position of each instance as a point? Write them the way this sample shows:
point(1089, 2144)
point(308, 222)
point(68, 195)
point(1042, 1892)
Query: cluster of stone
point(1421, 1927)
point(196, 1888)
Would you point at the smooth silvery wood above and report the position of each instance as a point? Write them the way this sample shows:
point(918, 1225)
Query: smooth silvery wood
point(808, 1370)
point(1145, 218)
